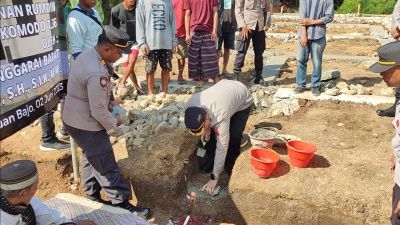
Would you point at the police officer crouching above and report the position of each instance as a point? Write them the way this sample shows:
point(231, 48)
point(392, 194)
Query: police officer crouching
point(219, 115)
point(88, 119)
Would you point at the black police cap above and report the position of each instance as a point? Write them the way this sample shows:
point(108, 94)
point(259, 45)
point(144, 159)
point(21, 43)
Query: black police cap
point(118, 38)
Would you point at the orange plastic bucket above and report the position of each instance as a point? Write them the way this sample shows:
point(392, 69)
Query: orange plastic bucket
point(300, 153)
point(263, 161)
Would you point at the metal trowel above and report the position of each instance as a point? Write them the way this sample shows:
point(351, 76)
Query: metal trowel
point(201, 151)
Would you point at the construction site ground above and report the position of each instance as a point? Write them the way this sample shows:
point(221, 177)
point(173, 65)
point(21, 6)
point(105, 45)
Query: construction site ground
point(347, 182)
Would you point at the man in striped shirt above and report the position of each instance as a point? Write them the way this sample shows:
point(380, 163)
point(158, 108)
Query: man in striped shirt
point(314, 15)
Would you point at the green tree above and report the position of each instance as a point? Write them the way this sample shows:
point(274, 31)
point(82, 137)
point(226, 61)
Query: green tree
point(368, 6)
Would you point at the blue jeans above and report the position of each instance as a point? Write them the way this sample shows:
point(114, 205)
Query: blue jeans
point(316, 48)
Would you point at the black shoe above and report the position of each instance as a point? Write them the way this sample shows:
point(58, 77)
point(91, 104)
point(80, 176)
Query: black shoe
point(55, 145)
point(258, 79)
point(96, 198)
point(299, 90)
point(315, 91)
point(207, 165)
point(389, 112)
point(62, 134)
point(131, 208)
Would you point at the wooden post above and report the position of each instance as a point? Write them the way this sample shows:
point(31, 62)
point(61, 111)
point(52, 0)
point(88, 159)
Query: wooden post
point(271, 6)
point(281, 10)
point(359, 8)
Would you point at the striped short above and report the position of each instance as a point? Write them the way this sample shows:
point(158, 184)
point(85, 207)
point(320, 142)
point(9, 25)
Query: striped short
point(203, 61)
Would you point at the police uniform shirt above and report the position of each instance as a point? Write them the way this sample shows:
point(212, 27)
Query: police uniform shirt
point(222, 100)
point(89, 90)
point(396, 145)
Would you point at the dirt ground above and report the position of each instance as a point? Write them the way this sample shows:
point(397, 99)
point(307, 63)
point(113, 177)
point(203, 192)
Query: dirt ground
point(350, 72)
point(356, 47)
point(360, 122)
point(332, 31)
point(159, 170)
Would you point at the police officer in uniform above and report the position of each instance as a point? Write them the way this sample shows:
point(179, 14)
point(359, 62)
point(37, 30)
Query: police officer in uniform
point(219, 115)
point(88, 119)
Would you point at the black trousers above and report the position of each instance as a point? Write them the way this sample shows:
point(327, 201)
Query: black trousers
point(99, 167)
point(242, 45)
point(395, 200)
point(237, 124)
point(48, 126)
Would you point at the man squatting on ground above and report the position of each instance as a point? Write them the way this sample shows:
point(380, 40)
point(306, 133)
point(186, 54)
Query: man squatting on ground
point(389, 68)
point(181, 36)
point(395, 31)
point(88, 119)
point(227, 22)
point(155, 32)
point(219, 115)
point(18, 184)
point(201, 24)
point(123, 16)
point(253, 18)
point(314, 15)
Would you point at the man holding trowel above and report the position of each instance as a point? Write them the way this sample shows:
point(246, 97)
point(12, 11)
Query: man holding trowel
point(219, 115)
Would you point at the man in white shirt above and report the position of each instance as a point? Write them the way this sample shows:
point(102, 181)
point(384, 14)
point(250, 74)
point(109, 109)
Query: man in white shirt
point(18, 185)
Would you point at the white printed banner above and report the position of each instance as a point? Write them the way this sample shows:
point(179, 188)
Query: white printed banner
point(33, 59)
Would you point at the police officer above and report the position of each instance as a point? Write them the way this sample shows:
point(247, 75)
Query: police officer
point(395, 31)
point(88, 119)
point(219, 115)
point(389, 68)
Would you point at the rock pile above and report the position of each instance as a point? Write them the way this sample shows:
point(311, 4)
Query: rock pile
point(268, 104)
point(148, 115)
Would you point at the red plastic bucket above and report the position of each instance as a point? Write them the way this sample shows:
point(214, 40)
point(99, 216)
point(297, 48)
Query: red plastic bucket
point(300, 153)
point(263, 161)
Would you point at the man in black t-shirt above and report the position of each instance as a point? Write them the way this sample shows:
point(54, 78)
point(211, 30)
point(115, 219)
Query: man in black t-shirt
point(227, 22)
point(123, 17)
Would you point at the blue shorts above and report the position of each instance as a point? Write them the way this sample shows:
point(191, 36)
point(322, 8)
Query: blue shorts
point(228, 38)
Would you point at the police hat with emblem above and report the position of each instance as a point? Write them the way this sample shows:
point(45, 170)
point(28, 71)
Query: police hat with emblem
point(18, 175)
point(118, 38)
point(389, 57)
point(195, 118)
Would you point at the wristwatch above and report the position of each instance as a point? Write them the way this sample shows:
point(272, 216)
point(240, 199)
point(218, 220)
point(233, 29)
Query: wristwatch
point(213, 177)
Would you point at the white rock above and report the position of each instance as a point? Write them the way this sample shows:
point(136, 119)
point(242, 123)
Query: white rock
point(331, 74)
point(144, 103)
point(74, 187)
point(332, 92)
point(174, 121)
point(367, 91)
point(360, 89)
point(387, 92)
point(161, 94)
point(340, 124)
point(138, 141)
point(351, 92)
point(23, 133)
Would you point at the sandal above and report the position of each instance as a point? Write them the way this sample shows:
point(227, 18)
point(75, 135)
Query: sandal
point(181, 82)
point(199, 85)
point(227, 75)
point(140, 92)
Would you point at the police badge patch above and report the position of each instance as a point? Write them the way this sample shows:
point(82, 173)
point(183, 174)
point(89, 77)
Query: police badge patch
point(103, 81)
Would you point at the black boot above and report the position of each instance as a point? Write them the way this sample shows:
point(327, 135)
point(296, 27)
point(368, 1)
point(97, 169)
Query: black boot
point(258, 77)
point(389, 112)
point(97, 198)
point(140, 211)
